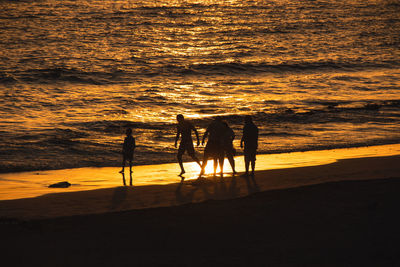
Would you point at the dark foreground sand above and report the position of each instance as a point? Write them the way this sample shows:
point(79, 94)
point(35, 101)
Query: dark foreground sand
point(353, 222)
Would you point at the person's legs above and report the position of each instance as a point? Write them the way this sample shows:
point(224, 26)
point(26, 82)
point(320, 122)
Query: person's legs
point(181, 151)
point(196, 159)
point(123, 164)
point(246, 163)
point(123, 178)
point(253, 161)
point(231, 160)
point(221, 163)
point(179, 156)
point(206, 156)
point(215, 160)
point(193, 155)
point(253, 166)
point(204, 163)
point(130, 165)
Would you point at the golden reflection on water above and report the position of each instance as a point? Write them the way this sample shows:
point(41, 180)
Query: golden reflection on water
point(32, 184)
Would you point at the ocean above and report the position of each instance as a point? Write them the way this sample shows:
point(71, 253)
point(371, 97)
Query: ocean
point(74, 74)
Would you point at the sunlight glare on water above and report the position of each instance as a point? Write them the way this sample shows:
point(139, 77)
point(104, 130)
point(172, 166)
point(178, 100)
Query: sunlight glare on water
point(313, 74)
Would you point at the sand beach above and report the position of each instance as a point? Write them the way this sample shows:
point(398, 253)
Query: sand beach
point(337, 214)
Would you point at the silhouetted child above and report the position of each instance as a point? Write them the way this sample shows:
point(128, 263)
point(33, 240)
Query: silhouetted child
point(250, 140)
point(127, 150)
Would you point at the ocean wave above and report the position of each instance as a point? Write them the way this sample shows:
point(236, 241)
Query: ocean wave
point(118, 126)
point(6, 78)
point(319, 112)
point(71, 75)
point(330, 112)
point(51, 75)
point(214, 68)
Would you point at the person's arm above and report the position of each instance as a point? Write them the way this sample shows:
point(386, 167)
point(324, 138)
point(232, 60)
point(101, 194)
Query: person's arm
point(134, 143)
point(124, 146)
point(204, 137)
point(242, 140)
point(197, 135)
point(256, 137)
point(177, 135)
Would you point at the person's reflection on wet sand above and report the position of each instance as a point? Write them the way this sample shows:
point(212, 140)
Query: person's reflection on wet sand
point(218, 188)
point(119, 196)
point(233, 189)
point(123, 178)
point(186, 196)
point(252, 186)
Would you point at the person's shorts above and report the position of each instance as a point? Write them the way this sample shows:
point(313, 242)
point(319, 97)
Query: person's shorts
point(250, 154)
point(186, 146)
point(128, 156)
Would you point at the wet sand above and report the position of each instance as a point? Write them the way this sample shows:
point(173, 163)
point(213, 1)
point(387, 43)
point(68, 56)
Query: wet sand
point(338, 214)
point(194, 191)
point(35, 183)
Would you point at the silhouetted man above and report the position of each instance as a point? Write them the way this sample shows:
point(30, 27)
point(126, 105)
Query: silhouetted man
point(214, 148)
point(184, 129)
point(250, 140)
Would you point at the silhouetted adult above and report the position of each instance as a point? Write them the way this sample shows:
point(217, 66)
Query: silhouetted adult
point(127, 152)
point(227, 142)
point(214, 148)
point(250, 140)
point(184, 129)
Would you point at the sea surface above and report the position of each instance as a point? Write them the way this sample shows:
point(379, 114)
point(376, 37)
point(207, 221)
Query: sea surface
point(74, 74)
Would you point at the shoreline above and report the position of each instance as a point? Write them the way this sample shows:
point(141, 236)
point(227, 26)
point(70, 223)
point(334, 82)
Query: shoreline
point(34, 184)
point(194, 191)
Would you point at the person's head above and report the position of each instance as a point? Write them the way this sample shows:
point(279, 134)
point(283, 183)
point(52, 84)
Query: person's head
point(248, 119)
point(128, 131)
point(218, 118)
point(180, 118)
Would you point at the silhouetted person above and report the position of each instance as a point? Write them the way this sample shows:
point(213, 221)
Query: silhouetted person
point(127, 152)
point(227, 142)
point(214, 148)
point(184, 129)
point(250, 140)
